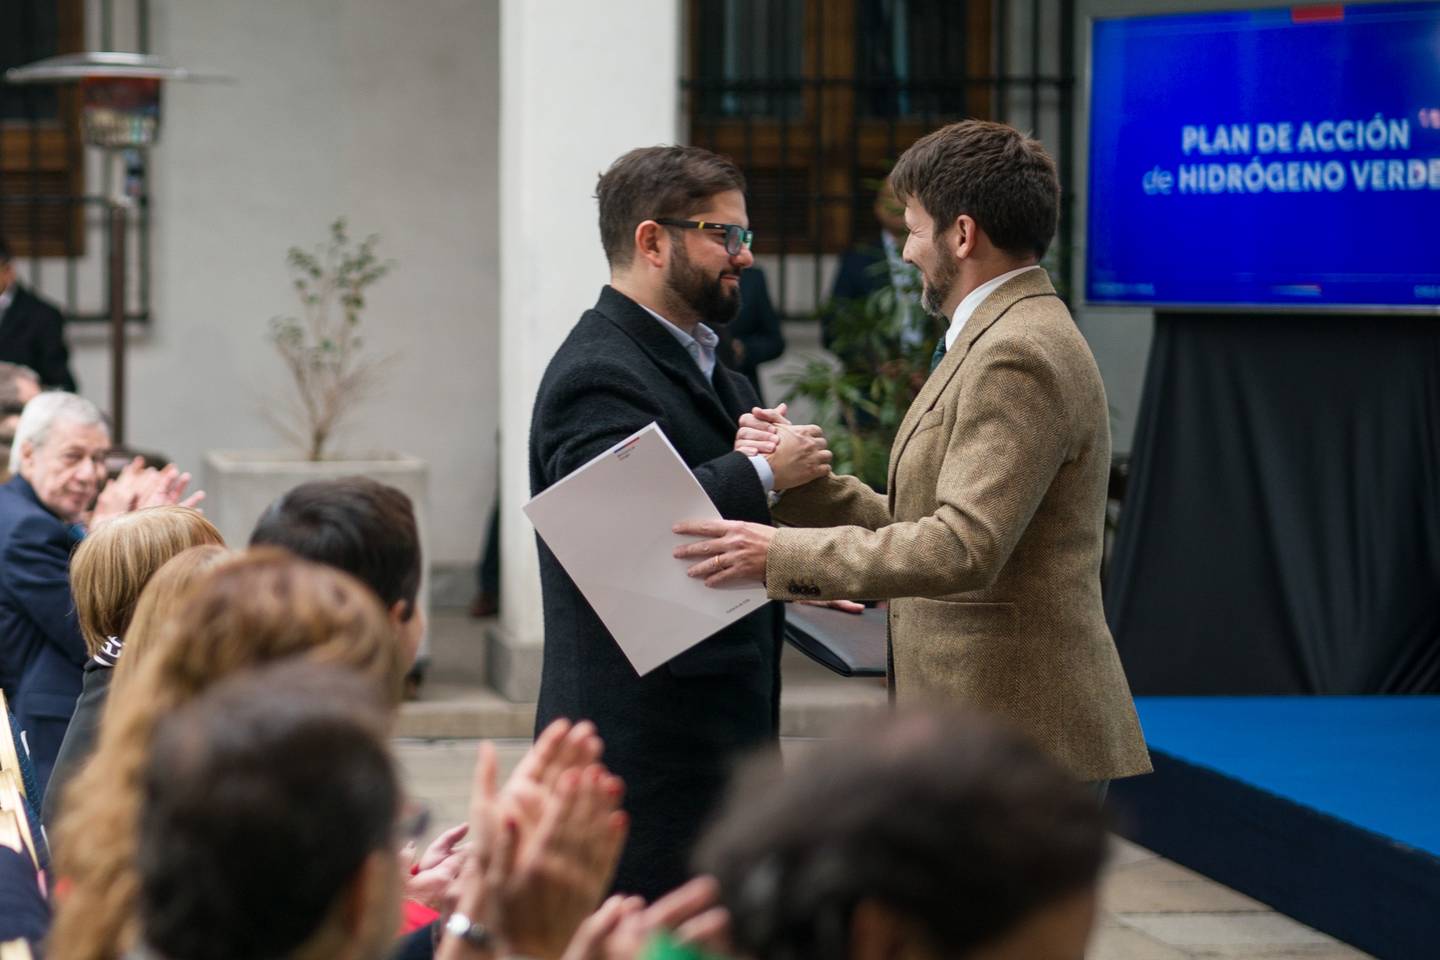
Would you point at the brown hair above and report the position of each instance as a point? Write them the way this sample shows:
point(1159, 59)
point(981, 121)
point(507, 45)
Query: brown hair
point(159, 601)
point(651, 182)
point(267, 606)
point(263, 799)
point(114, 562)
point(360, 525)
point(955, 822)
point(993, 172)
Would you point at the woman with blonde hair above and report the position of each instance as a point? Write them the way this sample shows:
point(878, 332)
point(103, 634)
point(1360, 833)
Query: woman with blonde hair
point(159, 601)
point(262, 607)
point(108, 571)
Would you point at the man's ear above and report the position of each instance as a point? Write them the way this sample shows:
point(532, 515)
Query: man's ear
point(400, 612)
point(651, 243)
point(962, 237)
point(365, 894)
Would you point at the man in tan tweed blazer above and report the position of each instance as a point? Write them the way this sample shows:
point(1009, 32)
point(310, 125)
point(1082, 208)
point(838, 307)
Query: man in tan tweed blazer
point(988, 543)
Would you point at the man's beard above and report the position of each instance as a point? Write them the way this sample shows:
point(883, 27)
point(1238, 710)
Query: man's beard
point(937, 288)
point(714, 302)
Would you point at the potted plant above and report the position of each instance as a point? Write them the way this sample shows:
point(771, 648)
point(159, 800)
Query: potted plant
point(331, 373)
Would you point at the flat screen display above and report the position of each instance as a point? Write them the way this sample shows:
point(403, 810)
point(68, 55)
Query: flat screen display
point(1285, 158)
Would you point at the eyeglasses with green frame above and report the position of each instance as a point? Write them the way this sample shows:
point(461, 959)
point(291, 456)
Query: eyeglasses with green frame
point(737, 238)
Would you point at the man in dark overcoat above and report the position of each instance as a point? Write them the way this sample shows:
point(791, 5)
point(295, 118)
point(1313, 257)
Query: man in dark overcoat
point(676, 233)
point(32, 330)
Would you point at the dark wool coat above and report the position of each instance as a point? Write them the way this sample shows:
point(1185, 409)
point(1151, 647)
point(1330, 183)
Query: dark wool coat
point(674, 734)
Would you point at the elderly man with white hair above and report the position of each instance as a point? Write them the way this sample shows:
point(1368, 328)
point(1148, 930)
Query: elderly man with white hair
point(57, 464)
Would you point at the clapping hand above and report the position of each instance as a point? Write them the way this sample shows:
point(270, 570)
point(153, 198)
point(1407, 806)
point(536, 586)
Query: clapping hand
point(623, 926)
point(437, 868)
point(138, 486)
point(544, 848)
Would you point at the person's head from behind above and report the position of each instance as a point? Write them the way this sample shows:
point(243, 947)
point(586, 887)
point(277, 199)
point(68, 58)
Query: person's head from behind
point(159, 601)
point(115, 561)
point(18, 386)
point(981, 199)
point(929, 835)
point(60, 447)
point(890, 212)
point(652, 203)
point(264, 606)
point(267, 826)
point(361, 526)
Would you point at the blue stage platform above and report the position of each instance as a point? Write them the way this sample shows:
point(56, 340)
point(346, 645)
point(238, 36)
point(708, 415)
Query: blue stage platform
point(1327, 808)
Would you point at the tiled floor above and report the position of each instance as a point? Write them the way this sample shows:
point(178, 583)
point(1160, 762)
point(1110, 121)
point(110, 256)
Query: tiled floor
point(1153, 909)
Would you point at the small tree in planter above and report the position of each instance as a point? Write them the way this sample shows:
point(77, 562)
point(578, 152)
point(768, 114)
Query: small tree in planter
point(323, 350)
point(322, 347)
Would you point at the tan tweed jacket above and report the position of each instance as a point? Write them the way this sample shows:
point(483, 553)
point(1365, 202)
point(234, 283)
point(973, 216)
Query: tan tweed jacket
point(989, 541)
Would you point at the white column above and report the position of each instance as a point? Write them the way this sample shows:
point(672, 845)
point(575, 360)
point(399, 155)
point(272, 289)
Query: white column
point(581, 82)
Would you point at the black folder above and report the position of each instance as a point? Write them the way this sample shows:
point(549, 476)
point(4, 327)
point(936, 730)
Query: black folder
point(851, 644)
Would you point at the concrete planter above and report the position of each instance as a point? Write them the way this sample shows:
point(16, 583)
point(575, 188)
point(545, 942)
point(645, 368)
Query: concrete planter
point(240, 484)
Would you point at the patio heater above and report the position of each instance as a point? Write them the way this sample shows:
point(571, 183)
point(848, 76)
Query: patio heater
point(119, 114)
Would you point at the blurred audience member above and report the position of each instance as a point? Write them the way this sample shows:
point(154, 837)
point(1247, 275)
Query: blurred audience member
point(18, 386)
point(876, 263)
point(927, 836)
point(269, 813)
point(24, 911)
point(158, 601)
point(58, 462)
point(265, 606)
point(108, 571)
point(363, 527)
point(754, 336)
point(487, 587)
point(32, 331)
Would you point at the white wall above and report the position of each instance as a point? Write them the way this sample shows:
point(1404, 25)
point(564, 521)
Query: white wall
point(387, 113)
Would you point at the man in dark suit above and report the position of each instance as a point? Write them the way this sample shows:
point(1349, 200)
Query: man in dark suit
point(755, 337)
point(675, 231)
point(872, 265)
point(32, 332)
point(57, 470)
point(58, 466)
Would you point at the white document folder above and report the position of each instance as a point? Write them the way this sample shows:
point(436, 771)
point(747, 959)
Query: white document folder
point(608, 523)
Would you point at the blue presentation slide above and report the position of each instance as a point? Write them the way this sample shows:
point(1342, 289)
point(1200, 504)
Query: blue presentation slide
point(1282, 158)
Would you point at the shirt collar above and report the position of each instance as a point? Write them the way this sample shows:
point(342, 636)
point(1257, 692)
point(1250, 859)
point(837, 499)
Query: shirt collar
point(7, 297)
point(701, 346)
point(974, 298)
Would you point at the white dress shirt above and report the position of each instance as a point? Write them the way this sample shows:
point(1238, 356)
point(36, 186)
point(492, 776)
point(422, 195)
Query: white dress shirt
point(701, 348)
point(972, 302)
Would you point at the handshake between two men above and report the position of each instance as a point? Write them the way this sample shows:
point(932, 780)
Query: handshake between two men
point(734, 550)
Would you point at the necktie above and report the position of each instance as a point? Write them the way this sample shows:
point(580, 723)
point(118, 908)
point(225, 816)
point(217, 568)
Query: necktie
point(938, 355)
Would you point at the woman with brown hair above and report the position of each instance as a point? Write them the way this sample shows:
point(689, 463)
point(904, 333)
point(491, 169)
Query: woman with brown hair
point(108, 571)
point(263, 607)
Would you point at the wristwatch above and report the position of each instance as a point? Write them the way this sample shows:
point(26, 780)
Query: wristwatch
point(474, 934)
